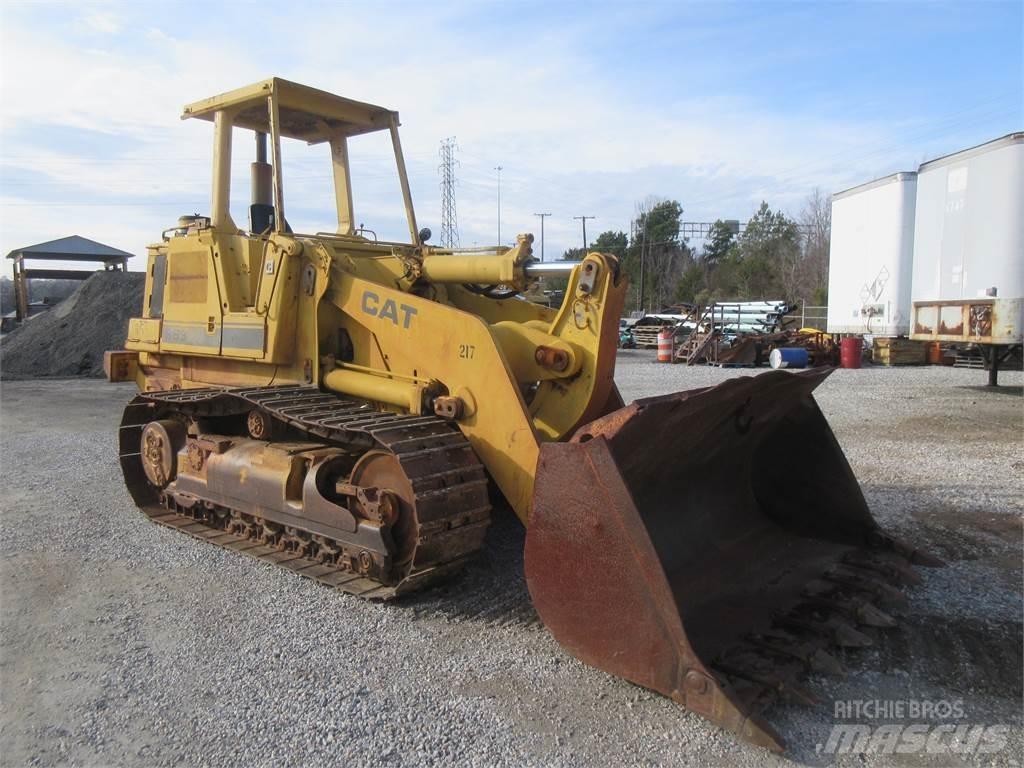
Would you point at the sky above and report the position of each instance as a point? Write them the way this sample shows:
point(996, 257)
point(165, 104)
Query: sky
point(589, 108)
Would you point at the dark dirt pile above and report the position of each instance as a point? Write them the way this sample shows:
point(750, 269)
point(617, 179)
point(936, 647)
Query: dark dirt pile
point(71, 338)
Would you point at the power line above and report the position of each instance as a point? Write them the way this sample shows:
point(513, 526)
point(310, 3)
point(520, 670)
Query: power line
point(449, 220)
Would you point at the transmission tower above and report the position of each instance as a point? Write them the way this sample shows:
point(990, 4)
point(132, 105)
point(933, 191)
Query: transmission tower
point(449, 221)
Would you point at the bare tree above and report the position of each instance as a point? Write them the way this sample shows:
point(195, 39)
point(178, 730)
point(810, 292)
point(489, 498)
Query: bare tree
point(816, 225)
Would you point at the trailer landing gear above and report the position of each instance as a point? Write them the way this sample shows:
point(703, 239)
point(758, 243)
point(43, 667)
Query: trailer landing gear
point(995, 355)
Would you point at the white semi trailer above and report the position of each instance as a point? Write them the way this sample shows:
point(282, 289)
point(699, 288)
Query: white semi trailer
point(968, 264)
point(871, 257)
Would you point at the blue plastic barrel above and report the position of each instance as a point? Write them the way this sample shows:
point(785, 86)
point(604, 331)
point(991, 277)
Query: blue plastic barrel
point(788, 357)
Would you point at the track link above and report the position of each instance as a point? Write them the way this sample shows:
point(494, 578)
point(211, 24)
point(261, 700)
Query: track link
point(448, 480)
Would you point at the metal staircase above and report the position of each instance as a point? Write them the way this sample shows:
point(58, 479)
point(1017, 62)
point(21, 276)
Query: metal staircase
point(702, 339)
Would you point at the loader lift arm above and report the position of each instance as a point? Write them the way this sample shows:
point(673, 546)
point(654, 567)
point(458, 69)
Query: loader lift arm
point(485, 366)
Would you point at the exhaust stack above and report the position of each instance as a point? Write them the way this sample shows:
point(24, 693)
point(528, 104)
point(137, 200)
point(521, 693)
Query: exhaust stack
point(261, 211)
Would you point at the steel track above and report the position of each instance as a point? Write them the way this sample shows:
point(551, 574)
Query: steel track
point(449, 483)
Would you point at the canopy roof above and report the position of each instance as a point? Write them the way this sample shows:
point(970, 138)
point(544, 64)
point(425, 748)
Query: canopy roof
point(72, 248)
point(306, 113)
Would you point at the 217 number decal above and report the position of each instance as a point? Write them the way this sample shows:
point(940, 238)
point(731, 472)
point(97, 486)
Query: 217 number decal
point(466, 351)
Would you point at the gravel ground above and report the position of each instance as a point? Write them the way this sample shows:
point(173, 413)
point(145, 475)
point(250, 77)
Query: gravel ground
point(124, 643)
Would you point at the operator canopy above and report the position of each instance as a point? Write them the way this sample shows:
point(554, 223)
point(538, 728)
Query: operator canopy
point(276, 108)
point(307, 114)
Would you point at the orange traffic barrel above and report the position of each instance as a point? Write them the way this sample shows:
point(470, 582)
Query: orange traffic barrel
point(665, 347)
point(850, 350)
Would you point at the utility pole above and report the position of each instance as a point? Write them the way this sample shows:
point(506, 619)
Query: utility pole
point(542, 216)
point(449, 220)
point(643, 287)
point(498, 169)
point(584, 220)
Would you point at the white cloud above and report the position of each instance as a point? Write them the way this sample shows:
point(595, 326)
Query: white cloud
point(104, 22)
point(573, 137)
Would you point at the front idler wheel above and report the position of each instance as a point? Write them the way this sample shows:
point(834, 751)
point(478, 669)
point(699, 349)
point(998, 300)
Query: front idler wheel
point(159, 445)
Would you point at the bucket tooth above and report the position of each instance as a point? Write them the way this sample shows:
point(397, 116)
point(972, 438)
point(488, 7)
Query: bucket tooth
point(871, 616)
point(890, 568)
point(822, 661)
point(885, 542)
point(820, 588)
point(864, 580)
point(846, 636)
point(808, 652)
point(781, 646)
point(783, 685)
point(863, 611)
point(833, 629)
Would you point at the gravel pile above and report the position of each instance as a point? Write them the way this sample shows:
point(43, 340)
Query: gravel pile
point(123, 643)
point(70, 339)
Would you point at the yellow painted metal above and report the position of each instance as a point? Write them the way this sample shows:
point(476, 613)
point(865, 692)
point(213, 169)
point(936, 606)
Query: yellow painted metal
point(220, 203)
point(342, 185)
point(515, 308)
point(403, 180)
point(280, 108)
point(192, 314)
point(593, 303)
point(391, 323)
point(143, 334)
point(244, 334)
point(504, 268)
point(386, 374)
point(276, 182)
point(495, 270)
point(120, 365)
point(378, 388)
point(457, 349)
point(308, 114)
point(520, 343)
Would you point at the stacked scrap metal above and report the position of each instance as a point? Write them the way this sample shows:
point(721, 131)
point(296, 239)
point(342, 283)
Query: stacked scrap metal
point(753, 349)
point(729, 329)
point(736, 317)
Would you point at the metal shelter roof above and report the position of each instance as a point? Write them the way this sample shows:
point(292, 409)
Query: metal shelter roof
point(72, 248)
point(306, 113)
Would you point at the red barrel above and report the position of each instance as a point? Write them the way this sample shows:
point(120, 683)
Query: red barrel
point(665, 347)
point(850, 350)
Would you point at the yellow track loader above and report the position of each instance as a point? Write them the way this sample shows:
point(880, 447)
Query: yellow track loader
point(343, 406)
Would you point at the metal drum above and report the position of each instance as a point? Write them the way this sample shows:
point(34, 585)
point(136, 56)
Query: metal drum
point(850, 350)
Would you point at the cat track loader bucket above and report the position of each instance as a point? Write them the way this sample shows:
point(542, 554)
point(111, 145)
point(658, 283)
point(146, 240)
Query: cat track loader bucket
point(712, 545)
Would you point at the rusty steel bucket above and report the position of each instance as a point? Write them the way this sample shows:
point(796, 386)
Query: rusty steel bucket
point(711, 545)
